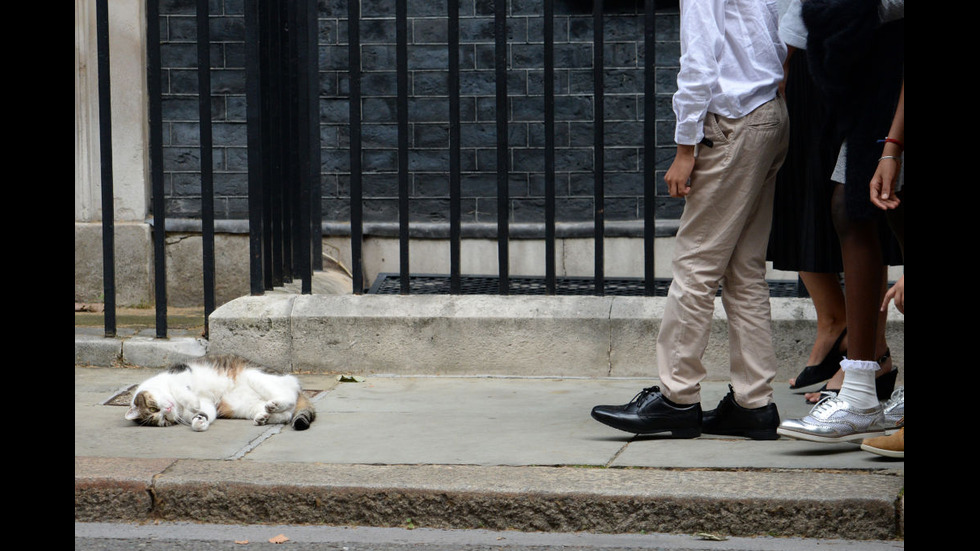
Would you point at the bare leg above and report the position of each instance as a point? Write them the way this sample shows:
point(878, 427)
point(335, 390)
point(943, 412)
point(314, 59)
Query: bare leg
point(864, 285)
point(881, 345)
point(828, 299)
point(861, 253)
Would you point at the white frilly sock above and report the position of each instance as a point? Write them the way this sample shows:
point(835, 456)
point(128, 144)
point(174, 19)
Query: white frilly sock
point(859, 383)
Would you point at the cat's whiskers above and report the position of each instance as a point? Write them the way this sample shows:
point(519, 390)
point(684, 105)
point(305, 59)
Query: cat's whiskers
point(177, 419)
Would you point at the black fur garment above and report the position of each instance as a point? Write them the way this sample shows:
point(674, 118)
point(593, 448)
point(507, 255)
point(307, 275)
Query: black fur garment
point(859, 63)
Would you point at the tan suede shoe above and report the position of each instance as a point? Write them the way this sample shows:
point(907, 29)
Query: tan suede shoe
point(892, 445)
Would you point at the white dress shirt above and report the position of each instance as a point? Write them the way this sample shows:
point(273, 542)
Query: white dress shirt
point(791, 27)
point(731, 61)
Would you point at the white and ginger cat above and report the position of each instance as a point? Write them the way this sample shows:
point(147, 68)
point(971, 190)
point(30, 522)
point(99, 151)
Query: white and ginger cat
point(199, 391)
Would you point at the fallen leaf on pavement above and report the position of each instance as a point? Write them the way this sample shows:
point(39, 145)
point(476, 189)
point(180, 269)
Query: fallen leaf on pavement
point(279, 539)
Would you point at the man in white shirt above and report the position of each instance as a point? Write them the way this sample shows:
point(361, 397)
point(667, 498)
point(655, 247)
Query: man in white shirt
point(732, 133)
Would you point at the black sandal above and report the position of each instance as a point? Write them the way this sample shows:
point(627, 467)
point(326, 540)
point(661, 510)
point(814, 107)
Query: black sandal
point(813, 374)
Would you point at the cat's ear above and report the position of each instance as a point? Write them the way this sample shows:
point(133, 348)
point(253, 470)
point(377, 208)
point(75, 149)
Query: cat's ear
point(133, 413)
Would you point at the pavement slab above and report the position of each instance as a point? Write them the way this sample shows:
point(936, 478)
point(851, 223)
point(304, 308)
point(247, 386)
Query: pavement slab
point(494, 452)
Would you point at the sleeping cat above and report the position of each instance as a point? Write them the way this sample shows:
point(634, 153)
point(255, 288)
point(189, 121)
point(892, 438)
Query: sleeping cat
point(199, 391)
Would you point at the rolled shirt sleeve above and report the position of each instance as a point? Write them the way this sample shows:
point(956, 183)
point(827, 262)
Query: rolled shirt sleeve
point(791, 28)
point(731, 61)
point(702, 31)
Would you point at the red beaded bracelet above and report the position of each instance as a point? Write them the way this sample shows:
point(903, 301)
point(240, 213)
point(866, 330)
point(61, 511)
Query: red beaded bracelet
point(894, 141)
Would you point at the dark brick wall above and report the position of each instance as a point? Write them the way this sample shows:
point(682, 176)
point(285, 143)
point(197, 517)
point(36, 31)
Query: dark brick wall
point(428, 109)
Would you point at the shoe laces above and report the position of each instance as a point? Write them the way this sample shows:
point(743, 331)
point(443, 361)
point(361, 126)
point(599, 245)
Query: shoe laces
point(898, 395)
point(825, 406)
point(828, 393)
point(727, 399)
point(644, 393)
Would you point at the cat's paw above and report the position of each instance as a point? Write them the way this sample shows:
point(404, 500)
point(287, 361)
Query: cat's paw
point(200, 423)
point(261, 419)
point(272, 406)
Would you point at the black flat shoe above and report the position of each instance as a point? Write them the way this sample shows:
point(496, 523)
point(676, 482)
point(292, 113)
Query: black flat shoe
point(731, 419)
point(813, 374)
point(651, 413)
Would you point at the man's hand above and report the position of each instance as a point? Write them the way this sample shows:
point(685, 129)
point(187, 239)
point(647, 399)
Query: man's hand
point(678, 176)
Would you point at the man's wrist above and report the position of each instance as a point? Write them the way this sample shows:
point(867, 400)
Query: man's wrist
point(684, 150)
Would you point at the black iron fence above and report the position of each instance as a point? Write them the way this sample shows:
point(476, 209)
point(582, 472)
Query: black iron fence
point(503, 225)
point(281, 58)
point(283, 106)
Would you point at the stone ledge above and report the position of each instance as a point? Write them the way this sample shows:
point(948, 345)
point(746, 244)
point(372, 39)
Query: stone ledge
point(583, 336)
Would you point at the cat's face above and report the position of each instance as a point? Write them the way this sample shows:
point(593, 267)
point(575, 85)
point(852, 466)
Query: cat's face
point(149, 408)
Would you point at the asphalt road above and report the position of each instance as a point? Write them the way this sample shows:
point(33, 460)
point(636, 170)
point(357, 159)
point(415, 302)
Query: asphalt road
point(211, 537)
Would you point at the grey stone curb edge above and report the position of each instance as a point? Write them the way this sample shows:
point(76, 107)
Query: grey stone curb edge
point(583, 336)
point(425, 335)
point(856, 506)
point(136, 351)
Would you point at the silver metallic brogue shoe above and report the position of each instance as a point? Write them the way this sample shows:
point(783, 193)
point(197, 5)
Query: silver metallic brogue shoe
point(894, 410)
point(834, 420)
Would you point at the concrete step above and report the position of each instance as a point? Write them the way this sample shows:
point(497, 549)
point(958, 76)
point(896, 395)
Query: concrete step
point(585, 336)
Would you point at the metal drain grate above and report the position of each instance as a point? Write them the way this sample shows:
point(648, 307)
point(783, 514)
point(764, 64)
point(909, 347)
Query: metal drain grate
point(123, 398)
point(437, 284)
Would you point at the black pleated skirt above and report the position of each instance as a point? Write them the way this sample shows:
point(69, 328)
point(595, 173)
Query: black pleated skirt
point(803, 238)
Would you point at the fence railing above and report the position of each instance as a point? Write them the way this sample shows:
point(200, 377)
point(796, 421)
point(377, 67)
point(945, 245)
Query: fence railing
point(281, 61)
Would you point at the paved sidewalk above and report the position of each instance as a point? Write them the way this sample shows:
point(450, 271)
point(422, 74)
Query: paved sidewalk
point(473, 452)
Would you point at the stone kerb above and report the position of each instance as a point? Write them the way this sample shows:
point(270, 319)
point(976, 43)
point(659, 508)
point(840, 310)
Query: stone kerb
point(584, 336)
point(437, 334)
point(256, 327)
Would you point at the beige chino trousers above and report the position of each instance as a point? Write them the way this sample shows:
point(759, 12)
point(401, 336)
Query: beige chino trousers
point(722, 240)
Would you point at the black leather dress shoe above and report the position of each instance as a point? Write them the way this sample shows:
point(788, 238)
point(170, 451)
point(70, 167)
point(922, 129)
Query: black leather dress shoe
point(731, 419)
point(650, 413)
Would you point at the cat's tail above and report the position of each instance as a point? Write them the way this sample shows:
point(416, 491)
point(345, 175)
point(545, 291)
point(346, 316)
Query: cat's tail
point(304, 414)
